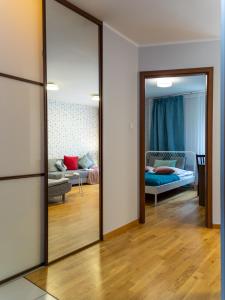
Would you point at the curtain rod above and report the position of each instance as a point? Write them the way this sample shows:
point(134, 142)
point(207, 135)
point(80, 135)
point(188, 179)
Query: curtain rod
point(179, 94)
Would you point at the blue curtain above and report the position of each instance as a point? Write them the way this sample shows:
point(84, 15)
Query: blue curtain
point(167, 124)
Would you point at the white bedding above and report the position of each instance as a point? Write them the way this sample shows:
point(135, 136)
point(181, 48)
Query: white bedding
point(179, 172)
point(182, 173)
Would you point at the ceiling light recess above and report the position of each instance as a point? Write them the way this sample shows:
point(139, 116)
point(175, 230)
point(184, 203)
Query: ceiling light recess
point(95, 97)
point(164, 82)
point(51, 86)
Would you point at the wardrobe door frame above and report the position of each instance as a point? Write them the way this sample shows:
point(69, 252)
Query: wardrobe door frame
point(100, 59)
point(208, 71)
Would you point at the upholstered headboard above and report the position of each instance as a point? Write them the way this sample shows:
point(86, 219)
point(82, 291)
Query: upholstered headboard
point(184, 159)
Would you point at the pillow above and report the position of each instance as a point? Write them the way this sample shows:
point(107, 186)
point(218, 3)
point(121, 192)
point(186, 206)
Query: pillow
point(71, 162)
point(149, 169)
point(85, 163)
point(51, 165)
point(165, 163)
point(91, 159)
point(60, 165)
point(164, 170)
point(181, 161)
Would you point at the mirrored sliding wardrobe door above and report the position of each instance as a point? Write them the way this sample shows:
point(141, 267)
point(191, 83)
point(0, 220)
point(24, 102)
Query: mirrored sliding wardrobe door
point(73, 101)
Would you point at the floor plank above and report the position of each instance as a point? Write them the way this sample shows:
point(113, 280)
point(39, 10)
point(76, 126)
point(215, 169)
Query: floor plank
point(171, 257)
point(75, 223)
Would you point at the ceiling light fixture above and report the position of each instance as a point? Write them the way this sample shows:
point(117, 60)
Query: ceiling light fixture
point(51, 86)
point(164, 82)
point(95, 97)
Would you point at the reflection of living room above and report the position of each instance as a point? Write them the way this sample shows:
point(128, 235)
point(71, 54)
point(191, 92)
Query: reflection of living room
point(73, 138)
point(73, 174)
point(72, 133)
point(72, 129)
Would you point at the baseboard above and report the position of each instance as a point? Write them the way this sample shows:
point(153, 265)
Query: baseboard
point(216, 226)
point(120, 230)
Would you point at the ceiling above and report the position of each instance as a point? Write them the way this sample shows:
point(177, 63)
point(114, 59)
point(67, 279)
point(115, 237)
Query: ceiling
point(158, 21)
point(72, 55)
point(185, 84)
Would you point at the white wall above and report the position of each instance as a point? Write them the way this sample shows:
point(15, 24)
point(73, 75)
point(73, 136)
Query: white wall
point(72, 129)
point(191, 55)
point(120, 175)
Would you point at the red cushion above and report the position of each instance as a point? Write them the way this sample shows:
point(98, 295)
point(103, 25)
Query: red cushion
point(163, 170)
point(71, 162)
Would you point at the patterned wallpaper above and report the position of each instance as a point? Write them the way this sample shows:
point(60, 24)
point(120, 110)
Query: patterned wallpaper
point(72, 129)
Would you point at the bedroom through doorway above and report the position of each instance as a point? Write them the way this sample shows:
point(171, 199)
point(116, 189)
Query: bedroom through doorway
point(175, 142)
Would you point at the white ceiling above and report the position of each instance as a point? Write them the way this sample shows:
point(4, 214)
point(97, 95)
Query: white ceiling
point(158, 21)
point(72, 55)
point(181, 85)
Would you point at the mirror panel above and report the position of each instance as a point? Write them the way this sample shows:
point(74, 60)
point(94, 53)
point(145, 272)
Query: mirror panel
point(72, 44)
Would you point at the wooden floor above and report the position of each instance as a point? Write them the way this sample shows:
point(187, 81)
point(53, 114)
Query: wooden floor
point(171, 257)
point(75, 223)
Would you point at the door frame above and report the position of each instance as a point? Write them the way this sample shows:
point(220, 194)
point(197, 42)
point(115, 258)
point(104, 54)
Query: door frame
point(99, 23)
point(208, 71)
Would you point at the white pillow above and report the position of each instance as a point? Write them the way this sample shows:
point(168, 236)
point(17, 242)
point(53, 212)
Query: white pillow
point(149, 169)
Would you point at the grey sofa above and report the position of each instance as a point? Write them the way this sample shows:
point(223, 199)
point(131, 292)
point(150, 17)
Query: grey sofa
point(58, 187)
point(54, 173)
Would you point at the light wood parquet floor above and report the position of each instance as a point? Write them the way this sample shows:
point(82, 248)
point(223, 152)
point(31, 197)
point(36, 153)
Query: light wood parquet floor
point(171, 257)
point(75, 223)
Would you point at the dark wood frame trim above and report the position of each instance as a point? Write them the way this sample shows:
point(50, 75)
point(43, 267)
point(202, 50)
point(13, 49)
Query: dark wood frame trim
point(21, 273)
point(21, 176)
point(21, 79)
point(100, 42)
point(208, 71)
point(73, 252)
point(100, 36)
point(80, 11)
point(45, 131)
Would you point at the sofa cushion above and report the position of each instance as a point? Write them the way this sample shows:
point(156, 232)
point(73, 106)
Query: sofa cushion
point(91, 159)
point(55, 175)
point(60, 165)
point(85, 162)
point(52, 182)
point(71, 162)
point(52, 165)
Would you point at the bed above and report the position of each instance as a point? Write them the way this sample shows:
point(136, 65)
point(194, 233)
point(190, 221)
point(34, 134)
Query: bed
point(185, 171)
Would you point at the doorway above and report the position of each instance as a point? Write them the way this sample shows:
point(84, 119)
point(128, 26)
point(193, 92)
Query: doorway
point(177, 156)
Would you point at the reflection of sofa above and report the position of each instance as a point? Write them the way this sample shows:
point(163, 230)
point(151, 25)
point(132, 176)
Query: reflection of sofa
point(54, 173)
point(58, 187)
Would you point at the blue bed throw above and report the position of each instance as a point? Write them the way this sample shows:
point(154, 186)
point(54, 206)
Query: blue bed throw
point(152, 179)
